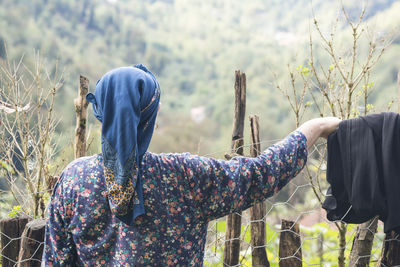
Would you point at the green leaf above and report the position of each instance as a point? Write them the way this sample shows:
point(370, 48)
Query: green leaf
point(15, 211)
point(303, 70)
point(7, 167)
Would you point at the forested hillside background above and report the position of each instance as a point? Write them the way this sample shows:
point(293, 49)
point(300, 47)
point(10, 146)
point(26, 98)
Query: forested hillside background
point(193, 47)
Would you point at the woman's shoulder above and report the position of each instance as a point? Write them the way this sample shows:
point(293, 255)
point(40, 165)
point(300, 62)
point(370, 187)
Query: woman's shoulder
point(82, 169)
point(80, 185)
point(83, 163)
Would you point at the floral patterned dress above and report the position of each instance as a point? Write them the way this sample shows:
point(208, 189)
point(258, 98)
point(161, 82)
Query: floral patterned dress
point(181, 192)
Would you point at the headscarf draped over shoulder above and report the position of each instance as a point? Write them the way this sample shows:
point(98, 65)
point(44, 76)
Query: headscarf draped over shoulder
point(126, 102)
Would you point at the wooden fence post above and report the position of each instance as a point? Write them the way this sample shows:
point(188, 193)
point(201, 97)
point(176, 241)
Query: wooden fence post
point(234, 221)
point(390, 255)
point(30, 254)
point(290, 245)
point(257, 212)
point(81, 105)
point(362, 243)
point(10, 232)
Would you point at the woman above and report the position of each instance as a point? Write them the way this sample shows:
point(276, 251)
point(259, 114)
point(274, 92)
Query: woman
point(129, 207)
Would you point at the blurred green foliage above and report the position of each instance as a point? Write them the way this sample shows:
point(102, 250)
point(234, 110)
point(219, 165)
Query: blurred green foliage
point(193, 47)
point(320, 245)
point(15, 211)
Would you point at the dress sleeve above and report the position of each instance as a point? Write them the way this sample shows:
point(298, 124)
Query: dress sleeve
point(59, 249)
point(219, 187)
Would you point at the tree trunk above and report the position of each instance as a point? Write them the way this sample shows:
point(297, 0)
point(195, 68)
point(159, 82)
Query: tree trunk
point(81, 105)
point(234, 221)
point(390, 255)
point(290, 245)
point(30, 254)
point(342, 244)
point(257, 212)
point(11, 230)
point(362, 243)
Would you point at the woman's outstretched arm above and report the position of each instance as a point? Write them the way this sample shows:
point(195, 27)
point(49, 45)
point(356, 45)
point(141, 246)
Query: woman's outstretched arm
point(217, 187)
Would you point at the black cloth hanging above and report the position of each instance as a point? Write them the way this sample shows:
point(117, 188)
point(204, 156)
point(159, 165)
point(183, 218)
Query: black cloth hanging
point(363, 170)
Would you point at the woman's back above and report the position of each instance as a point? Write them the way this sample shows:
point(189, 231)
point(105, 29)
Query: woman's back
point(181, 193)
point(98, 238)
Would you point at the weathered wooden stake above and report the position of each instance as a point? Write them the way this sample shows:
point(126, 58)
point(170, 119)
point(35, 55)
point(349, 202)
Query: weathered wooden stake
point(81, 105)
point(362, 243)
point(290, 245)
point(30, 254)
point(234, 221)
point(257, 212)
point(390, 255)
point(10, 234)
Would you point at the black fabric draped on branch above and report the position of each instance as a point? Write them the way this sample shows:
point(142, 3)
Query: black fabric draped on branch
point(364, 170)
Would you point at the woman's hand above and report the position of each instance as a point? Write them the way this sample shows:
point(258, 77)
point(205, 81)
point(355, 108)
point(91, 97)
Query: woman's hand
point(320, 127)
point(330, 124)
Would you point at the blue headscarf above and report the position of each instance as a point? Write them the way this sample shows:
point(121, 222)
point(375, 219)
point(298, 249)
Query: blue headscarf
point(126, 102)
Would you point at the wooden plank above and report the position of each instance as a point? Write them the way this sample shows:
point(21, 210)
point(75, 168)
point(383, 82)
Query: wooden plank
point(10, 231)
point(290, 245)
point(32, 242)
point(257, 212)
point(81, 105)
point(234, 221)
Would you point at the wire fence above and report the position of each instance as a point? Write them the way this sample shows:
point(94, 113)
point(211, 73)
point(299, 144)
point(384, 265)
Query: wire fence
point(319, 244)
point(21, 235)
